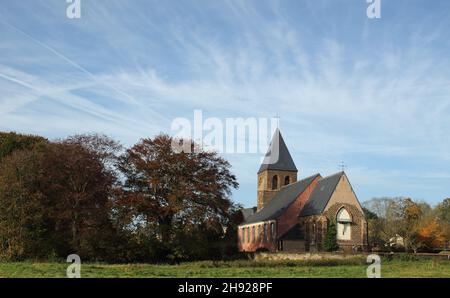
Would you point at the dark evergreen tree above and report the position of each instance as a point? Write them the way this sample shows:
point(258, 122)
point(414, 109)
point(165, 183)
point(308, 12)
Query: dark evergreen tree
point(330, 243)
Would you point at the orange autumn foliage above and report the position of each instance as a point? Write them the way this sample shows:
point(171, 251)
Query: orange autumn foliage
point(432, 234)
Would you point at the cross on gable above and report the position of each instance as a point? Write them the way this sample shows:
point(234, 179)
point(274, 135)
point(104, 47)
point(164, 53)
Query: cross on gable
point(342, 166)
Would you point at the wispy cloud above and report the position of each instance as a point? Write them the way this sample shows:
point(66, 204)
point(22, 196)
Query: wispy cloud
point(374, 94)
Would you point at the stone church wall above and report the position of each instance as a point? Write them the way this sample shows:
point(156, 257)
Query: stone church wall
point(358, 226)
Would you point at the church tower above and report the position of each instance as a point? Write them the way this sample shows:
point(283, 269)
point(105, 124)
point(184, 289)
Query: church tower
point(277, 169)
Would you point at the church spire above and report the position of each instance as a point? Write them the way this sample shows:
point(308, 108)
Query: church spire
point(277, 170)
point(277, 156)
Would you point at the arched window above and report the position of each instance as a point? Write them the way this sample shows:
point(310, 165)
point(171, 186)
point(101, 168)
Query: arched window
point(253, 234)
point(266, 236)
point(272, 231)
point(286, 180)
point(274, 182)
point(344, 222)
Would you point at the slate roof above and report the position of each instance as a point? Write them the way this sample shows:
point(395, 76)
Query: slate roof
point(294, 233)
point(321, 195)
point(248, 212)
point(281, 201)
point(277, 156)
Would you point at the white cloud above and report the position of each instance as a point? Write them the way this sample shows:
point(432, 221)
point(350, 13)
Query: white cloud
point(125, 72)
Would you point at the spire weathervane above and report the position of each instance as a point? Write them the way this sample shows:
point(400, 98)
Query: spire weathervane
point(343, 166)
point(277, 117)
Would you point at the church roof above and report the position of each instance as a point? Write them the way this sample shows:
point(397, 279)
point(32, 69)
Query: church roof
point(277, 156)
point(281, 201)
point(294, 233)
point(248, 212)
point(321, 195)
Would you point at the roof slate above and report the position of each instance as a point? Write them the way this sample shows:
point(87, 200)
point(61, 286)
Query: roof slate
point(321, 195)
point(294, 233)
point(278, 156)
point(247, 213)
point(281, 201)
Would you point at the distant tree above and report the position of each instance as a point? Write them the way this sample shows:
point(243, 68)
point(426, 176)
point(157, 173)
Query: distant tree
point(373, 226)
point(180, 200)
point(396, 216)
point(10, 142)
point(431, 234)
point(56, 200)
point(443, 215)
point(79, 186)
point(330, 243)
point(24, 218)
point(443, 210)
point(369, 214)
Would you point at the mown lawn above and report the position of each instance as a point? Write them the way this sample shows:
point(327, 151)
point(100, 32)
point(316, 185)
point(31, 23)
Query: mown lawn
point(340, 268)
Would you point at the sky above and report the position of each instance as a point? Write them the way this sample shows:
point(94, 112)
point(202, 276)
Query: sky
point(372, 93)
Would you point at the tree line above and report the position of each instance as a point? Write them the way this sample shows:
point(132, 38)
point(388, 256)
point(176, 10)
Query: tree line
point(405, 224)
point(89, 195)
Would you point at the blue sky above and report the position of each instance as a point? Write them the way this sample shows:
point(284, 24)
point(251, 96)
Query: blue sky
point(372, 93)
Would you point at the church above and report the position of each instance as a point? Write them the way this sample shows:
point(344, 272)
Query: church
point(293, 215)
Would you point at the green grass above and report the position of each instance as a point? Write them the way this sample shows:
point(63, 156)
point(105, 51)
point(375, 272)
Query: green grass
point(355, 267)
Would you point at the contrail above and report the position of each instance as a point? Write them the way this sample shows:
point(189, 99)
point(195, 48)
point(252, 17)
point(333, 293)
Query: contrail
point(22, 83)
point(68, 60)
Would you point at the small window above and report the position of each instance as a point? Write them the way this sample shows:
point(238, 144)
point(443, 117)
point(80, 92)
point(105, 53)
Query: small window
point(266, 236)
point(253, 234)
point(286, 180)
point(274, 182)
point(272, 231)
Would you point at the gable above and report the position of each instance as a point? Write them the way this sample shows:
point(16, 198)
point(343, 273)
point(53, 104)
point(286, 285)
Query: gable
point(343, 194)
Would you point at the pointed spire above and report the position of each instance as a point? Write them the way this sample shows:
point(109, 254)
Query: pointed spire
point(278, 156)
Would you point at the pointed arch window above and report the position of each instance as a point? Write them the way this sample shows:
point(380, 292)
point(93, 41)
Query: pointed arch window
point(344, 222)
point(274, 182)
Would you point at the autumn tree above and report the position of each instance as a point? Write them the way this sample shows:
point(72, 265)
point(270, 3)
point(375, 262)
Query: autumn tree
point(79, 185)
point(443, 210)
point(179, 199)
point(443, 216)
point(24, 221)
point(431, 234)
point(59, 197)
point(10, 142)
point(374, 228)
point(397, 216)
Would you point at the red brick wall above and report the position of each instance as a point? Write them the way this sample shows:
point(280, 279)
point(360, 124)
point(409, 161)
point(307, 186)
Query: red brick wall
point(283, 223)
point(290, 218)
point(259, 242)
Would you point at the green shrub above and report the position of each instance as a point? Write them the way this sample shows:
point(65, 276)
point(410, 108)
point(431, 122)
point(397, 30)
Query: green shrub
point(330, 243)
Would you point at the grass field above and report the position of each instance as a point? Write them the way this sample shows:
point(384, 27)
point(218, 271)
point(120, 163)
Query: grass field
point(337, 268)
